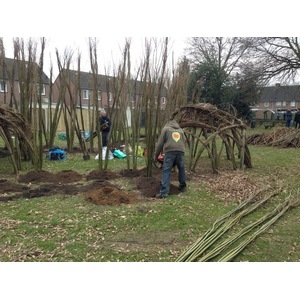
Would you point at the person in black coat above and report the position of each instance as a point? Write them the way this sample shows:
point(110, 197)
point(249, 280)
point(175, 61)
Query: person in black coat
point(297, 118)
point(288, 118)
point(105, 125)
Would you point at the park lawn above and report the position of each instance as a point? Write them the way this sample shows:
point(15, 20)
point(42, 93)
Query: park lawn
point(67, 228)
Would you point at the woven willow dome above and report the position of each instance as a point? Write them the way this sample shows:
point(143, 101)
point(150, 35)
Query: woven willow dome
point(204, 124)
point(17, 136)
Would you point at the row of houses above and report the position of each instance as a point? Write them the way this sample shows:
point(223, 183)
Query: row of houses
point(77, 88)
point(11, 83)
point(274, 100)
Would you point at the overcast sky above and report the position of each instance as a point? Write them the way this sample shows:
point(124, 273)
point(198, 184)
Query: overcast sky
point(109, 50)
point(67, 25)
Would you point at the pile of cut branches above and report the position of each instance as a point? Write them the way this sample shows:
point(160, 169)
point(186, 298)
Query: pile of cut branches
point(282, 137)
point(215, 245)
point(17, 136)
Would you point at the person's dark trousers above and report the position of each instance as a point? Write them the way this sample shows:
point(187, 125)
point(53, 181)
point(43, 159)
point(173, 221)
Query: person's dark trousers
point(297, 125)
point(105, 138)
point(171, 159)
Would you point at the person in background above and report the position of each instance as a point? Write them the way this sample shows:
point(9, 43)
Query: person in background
point(172, 143)
point(288, 117)
point(297, 118)
point(105, 125)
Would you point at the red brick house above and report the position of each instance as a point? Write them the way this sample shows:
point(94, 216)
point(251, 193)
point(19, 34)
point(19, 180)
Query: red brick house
point(81, 86)
point(19, 79)
point(275, 100)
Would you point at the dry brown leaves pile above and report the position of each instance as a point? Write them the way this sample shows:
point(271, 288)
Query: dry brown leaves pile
point(232, 186)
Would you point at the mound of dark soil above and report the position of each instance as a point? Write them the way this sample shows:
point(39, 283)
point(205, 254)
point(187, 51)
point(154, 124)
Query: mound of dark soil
point(65, 176)
point(108, 196)
point(33, 176)
point(150, 186)
point(101, 175)
point(156, 172)
point(132, 174)
point(68, 176)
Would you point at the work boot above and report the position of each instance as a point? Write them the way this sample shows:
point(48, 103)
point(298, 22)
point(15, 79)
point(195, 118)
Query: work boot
point(182, 189)
point(160, 196)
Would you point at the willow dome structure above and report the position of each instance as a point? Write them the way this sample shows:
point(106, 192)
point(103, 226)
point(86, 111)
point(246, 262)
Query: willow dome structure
point(208, 127)
point(17, 136)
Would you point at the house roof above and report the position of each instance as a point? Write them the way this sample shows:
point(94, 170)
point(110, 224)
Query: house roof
point(281, 93)
point(105, 82)
point(10, 67)
point(86, 80)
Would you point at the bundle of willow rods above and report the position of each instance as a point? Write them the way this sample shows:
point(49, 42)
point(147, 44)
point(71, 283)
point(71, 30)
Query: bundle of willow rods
point(272, 217)
point(209, 240)
point(281, 137)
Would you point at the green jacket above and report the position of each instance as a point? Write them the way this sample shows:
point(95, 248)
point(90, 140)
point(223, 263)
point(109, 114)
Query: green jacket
point(171, 139)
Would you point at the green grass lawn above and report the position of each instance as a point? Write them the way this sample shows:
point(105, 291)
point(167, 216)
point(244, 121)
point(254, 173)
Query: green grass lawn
point(67, 228)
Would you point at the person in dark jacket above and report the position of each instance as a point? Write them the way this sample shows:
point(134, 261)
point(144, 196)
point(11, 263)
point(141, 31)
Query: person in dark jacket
point(172, 143)
point(297, 118)
point(105, 125)
point(288, 118)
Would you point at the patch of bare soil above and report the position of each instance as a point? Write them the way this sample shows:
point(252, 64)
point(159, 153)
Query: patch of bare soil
point(150, 186)
point(133, 174)
point(6, 187)
point(109, 196)
point(98, 188)
point(32, 177)
point(68, 176)
point(101, 175)
point(65, 176)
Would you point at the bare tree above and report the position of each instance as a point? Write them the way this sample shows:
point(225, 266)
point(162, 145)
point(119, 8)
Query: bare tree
point(118, 85)
point(95, 105)
point(225, 52)
point(41, 123)
point(64, 87)
point(176, 85)
point(31, 83)
point(277, 57)
point(27, 67)
point(154, 77)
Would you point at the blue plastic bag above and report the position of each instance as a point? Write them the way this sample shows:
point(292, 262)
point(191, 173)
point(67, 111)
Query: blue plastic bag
point(57, 154)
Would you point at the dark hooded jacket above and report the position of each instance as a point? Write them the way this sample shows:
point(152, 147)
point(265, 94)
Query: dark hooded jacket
point(171, 139)
point(105, 123)
point(297, 117)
